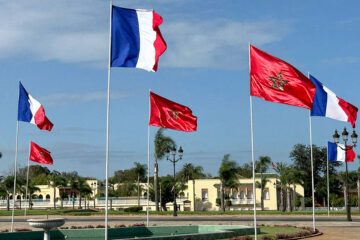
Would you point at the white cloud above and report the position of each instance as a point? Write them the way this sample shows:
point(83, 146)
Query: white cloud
point(340, 60)
point(77, 32)
point(59, 99)
point(217, 43)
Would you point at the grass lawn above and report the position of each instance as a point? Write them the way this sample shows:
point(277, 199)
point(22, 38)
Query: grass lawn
point(70, 212)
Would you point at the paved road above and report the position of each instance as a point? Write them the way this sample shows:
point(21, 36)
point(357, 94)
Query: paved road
point(275, 218)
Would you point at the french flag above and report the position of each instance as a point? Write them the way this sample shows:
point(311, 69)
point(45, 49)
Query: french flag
point(327, 104)
point(136, 40)
point(336, 153)
point(30, 110)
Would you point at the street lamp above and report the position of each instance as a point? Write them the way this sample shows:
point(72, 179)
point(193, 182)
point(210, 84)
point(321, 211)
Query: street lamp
point(174, 161)
point(345, 136)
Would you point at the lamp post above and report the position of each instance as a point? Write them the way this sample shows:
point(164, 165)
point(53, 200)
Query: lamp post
point(174, 161)
point(345, 136)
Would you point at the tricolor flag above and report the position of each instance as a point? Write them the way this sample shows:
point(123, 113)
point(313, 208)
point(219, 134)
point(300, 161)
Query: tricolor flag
point(136, 40)
point(168, 114)
point(30, 110)
point(327, 104)
point(275, 80)
point(336, 153)
point(39, 154)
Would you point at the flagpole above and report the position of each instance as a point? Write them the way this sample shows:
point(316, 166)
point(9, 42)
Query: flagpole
point(148, 170)
point(253, 166)
point(15, 165)
point(312, 173)
point(107, 132)
point(252, 153)
point(27, 183)
point(327, 173)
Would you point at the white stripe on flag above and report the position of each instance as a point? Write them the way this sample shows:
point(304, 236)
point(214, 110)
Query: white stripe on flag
point(333, 110)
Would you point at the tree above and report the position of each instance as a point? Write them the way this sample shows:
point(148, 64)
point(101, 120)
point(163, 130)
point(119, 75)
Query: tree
point(140, 171)
point(166, 183)
point(161, 144)
point(228, 174)
point(282, 170)
point(261, 166)
point(32, 188)
point(20, 187)
point(245, 170)
point(83, 187)
point(191, 172)
point(300, 155)
point(295, 176)
point(55, 181)
point(74, 187)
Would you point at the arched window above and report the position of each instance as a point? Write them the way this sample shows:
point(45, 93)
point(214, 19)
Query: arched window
point(266, 194)
point(250, 195)
point(41, 197)
point(18, 197)
point(10, 197)
point(47, 196)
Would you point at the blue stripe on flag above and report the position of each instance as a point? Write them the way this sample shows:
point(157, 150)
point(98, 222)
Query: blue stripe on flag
point(125, 38)
point(332, 152)
point(320, 99)
point(24, 112)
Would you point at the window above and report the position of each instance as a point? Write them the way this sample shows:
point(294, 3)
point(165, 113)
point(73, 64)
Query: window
point(40, 196)
point(204, 194)
point(249, 195)
point(47, 197)
point(242, 195)
point(266, 194)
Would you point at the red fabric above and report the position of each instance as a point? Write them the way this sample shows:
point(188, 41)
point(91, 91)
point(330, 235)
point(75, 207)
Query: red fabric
point(350, 154)
point(273, 165)
point(39, 154)
point(42, 121)
point(350, 110)
point(169, 114)
point(159, 43)
point(298, 91)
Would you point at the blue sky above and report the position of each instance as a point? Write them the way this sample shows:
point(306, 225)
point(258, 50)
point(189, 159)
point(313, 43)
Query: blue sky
point(59, 51)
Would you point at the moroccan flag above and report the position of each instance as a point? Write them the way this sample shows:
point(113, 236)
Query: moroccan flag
point(39, 154)
point(274, 80)
point(273, 165)
point(169, 114)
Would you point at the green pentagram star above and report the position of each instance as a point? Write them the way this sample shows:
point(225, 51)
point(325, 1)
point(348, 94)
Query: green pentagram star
point(278, 82)
point(173, 114)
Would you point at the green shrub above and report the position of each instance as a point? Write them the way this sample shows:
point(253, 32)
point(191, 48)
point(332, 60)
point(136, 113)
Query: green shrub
point(228, 203)
point(133, 209)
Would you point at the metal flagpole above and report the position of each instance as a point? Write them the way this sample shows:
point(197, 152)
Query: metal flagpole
point(312, 173)
point(252, 154)
point(148, 170)
point(15, 165)
point(107, 132)
point(27, 183)
point(253, 166)
point(327, 173)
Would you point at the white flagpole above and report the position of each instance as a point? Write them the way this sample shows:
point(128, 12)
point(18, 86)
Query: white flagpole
point(327, 173)
point(15, 165)
point(252, 155)
point(107, 132)
point(312, 173)
point(148, 170)
point(253, 166)
point(27, 183)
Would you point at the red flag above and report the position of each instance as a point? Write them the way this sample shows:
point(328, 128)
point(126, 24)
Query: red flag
point(169, 114)
point(39, 154)
point(274, 80)
point(350, 154)
point(273, 165)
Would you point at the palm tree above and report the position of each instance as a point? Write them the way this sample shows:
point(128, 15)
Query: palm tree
point(295, 177)
point(55, 181)
point(161, 144)
point(228, 174)
point(32, 188)
point(140, 171)
point(261, 166)
point(74, 187)
point(263, 181)
point(21, 187)
point(282, 170)
point(190, 172)
point(8, 187)
point(82, 186)
point(86, 192)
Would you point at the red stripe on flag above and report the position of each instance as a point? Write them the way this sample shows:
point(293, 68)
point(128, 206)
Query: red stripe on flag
point(350, 110)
